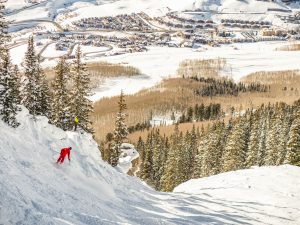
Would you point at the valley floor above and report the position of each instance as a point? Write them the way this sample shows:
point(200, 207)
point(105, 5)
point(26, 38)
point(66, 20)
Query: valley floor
point(162, 62)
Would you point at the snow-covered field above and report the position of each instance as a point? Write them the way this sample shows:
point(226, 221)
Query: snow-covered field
point(34, 190)
point(162, 62)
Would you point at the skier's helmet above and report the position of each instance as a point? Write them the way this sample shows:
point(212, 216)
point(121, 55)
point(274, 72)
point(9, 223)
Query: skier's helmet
point(70, 148)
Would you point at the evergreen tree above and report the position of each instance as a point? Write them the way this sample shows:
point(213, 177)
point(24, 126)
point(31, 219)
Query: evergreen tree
point(284, 135)
point(29, 92)
point(253, 147)
point(146, 157)
point(81, 106)
point(272, 141)
point(157, 158)
point(169, 179)
point(44, 95)
point(36, 97)
point(60, 113)
point(293, 145)
point(121, 130)
point(4, 36)
point(235, 149)
point(16, 84)
point(263, 129)
point(8, 97)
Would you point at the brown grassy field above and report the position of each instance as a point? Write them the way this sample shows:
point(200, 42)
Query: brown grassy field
point(178, 94)
point(204, 68)
point(99, 71)
point(290, 47)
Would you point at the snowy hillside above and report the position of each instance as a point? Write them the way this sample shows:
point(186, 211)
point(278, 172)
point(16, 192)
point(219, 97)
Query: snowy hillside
point(269, 187)
point(34, 190)
point(91, 8)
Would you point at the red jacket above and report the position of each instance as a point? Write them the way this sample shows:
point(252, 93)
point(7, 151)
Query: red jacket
point(64, 152)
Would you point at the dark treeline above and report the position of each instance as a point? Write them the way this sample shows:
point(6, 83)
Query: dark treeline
point(202, 113)
point(215, 87)
point(139, 127)
point(269, 135)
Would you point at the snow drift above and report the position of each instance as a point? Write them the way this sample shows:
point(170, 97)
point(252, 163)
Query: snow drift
point(34, 190)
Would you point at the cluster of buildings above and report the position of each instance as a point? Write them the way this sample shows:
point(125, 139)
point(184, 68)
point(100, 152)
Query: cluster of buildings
point(246, 24)
point(125, 22)
point(172, 20)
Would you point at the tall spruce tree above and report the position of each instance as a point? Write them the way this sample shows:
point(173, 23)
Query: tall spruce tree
point(81, 106)
point(169, 179)
point(8, 95)
point(236, 148)
point(253, 147)
point(44, 94)
point(60, 110)
point(4, 36)
point(293, 145)
point(121, 130)
point(36, 95)
point(16, 80)
point(30, 94)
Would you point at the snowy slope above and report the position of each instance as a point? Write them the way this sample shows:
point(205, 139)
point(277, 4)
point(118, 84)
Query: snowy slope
point(275, 187)
point(33, 190)
point(90, 8)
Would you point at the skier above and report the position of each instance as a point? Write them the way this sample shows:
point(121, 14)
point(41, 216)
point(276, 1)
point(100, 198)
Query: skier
point(63, 154)
point(76, 121)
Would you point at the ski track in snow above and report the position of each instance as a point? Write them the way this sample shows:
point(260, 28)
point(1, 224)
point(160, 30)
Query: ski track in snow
point(34, 190)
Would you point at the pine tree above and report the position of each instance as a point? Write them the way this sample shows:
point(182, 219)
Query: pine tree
point(8, 98)
point(263, 128)
point(146, 157)
point(236, 147)
point(29, 92)
point(36, 97)
point(157, 162)
point(81, 106)
point(293, 145)
point(60, 109)
point(253, 147)
point(16, 80)
point(44, 94)
point(4, 36)
point(272, 141)
point(284, 135)
point(169, 179)
point(121, 130)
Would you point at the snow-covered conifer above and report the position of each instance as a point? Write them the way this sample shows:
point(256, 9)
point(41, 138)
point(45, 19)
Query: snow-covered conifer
point(8, 100)
point(4, 36)
point(35, 91)
point(235, 149)
point(81, 106)
point(121, 130)
point(60, 110)
point(293, 145)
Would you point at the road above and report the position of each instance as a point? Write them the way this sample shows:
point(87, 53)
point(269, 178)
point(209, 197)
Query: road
point(58, 26)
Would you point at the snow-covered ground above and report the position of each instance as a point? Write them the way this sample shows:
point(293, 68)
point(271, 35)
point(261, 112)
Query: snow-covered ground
point(34, 190)
point(258, 189)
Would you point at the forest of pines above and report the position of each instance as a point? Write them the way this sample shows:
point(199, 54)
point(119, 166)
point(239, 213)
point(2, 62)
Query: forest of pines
point(267, 136)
